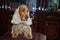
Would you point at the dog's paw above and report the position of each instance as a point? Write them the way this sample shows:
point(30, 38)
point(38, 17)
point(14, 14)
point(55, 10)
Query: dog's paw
point(14, 35)
point(29, 37)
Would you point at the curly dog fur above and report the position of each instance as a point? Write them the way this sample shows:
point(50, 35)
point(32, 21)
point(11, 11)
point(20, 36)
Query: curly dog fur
point(21, 22)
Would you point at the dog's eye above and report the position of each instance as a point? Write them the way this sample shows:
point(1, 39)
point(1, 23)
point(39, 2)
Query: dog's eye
point(23, 10)
point(27, 10)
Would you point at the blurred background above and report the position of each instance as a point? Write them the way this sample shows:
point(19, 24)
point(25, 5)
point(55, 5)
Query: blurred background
point(46, 16)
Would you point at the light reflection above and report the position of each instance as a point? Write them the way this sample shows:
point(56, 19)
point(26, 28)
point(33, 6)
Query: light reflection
point(2, 6)
point(6, 7)
point(42, 9)
point(39, 8)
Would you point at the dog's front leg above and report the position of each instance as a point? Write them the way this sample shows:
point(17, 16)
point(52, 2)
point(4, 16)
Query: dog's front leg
point(14, 34)
point(28, 33)
point(14, 31)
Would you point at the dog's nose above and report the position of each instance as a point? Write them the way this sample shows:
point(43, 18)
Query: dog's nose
point(26, 17)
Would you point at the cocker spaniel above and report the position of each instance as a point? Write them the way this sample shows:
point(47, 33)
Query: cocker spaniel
point(21, 22)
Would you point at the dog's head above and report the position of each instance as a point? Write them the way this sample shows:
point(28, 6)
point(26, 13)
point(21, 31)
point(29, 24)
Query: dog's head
point(23, 11)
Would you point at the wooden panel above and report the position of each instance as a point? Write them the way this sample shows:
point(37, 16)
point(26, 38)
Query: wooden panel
point(34, 26)
point(4, 21)
point(51, 29)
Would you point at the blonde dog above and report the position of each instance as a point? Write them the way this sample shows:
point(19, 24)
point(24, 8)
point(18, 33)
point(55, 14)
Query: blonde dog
point(21, 22)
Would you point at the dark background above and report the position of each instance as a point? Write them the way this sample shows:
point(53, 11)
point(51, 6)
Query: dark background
point(45, 22)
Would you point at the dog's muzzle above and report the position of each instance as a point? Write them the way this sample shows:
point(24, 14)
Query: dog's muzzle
point(26, 17)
